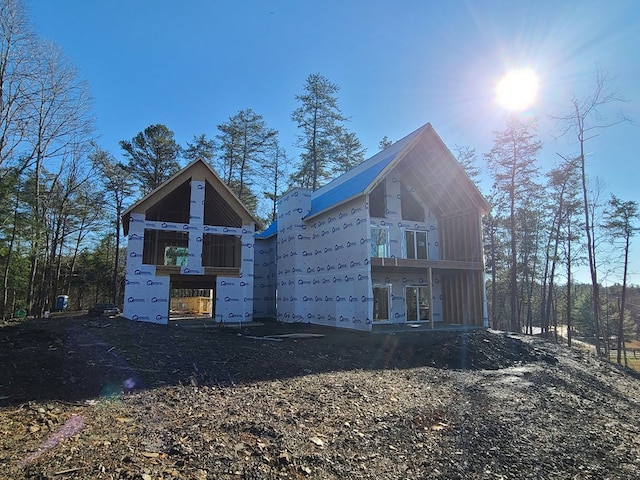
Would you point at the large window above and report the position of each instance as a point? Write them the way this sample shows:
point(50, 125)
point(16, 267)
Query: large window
point(221, 250)
point(379, 242)
point(165, 247)
point(381, 303)
point(418, 305)
point(416, 246)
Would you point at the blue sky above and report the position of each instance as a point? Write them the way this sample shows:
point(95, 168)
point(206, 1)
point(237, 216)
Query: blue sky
point(399, 64)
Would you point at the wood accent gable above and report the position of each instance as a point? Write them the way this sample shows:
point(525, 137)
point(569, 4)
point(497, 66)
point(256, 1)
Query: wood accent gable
point(227, 209)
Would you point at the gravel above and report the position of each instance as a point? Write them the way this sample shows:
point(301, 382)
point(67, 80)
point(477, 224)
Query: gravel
point(109, 398)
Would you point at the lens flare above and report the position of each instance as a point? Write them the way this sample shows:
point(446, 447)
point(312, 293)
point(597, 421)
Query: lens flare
point(70, 428)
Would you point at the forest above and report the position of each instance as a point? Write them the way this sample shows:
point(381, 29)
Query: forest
point(62, 195)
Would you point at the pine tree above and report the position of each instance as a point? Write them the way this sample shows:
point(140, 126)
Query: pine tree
point(349, 152)
point(153, 156)
point(201, 148)
point(273, 170)
point(512, 161)
point(384, 143)
point(622, 223)
point(245, 144)
point(319, 118)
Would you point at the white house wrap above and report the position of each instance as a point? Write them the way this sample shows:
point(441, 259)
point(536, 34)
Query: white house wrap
point(397, 239)
point(212, 248)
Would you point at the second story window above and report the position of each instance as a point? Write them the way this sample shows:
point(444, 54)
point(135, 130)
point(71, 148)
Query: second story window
point(416, 246)
point(163, 247)
point(221, 250)
point(378, 201)
point(411, 209)
point(379, 242)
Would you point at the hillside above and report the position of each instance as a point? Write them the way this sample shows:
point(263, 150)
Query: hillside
point(108, 398)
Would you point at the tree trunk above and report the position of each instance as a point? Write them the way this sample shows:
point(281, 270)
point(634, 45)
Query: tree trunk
point(5, 277)
point(623, 299)
point(590, 244)
point(569, 280)
point(114, 280)
point(494, 287)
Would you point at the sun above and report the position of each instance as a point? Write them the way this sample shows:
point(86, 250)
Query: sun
point(518, 89)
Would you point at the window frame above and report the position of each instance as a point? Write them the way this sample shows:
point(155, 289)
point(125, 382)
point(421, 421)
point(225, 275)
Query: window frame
point(378, 201)
point(381, 286)
point(414, 232)
point(374, 242)
point(419, 310)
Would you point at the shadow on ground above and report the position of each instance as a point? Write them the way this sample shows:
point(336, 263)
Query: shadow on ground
point(77, 358)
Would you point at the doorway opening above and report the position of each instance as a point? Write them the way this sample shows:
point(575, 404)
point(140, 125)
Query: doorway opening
point(381, 303)
point(192, 297)
point(417, 303)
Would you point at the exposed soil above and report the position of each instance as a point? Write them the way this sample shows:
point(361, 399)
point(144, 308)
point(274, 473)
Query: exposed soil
point(114, 399)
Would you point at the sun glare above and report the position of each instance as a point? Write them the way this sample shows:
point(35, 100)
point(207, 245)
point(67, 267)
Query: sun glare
point(517, 90)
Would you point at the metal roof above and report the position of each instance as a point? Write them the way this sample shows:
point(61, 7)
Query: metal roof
point(269, 231)
point(358, 180)
point(347, 190)
point(423, 163)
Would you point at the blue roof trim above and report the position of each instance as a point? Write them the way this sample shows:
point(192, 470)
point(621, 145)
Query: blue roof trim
point(346, 190)
point(269, 231)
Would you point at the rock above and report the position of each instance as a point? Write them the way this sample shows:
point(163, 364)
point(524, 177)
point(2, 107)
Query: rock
point(284, 458)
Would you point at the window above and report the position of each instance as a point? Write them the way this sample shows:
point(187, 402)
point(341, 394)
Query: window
point(381, 303)
point(221, 250)
point(416, 246)
point(378, 201)
point(417, 302)
point(165, 247)
point(379, 242)
point(411, 209)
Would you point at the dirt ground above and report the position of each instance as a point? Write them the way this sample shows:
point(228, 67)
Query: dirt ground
point(108, 398)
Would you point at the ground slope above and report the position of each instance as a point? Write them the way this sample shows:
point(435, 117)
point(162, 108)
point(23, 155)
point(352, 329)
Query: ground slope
point(108, 398)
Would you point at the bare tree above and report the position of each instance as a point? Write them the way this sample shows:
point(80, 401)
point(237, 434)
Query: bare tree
point(65, 209)
point(117, 188)
point(17, 65)
point(585, 121)
point(59, 108)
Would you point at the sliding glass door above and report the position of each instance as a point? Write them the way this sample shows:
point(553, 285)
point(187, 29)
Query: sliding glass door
point(417, 303)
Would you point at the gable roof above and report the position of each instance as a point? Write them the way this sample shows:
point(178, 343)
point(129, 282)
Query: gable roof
point(424, 163)
point(226, 201)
